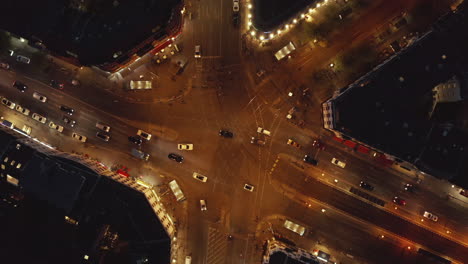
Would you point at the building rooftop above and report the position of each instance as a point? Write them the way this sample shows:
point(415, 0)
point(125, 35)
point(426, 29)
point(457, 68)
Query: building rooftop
point(270, 14)
point(92, 30)
point(391, 107)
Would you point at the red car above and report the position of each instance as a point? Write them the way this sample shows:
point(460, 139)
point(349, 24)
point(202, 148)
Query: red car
point(399, 201)
point(318, 144)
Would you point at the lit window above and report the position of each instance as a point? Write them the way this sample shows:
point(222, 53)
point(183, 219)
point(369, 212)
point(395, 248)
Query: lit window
point(6, 159)
point(3, 166)
point(12, 163)
point(18, 165)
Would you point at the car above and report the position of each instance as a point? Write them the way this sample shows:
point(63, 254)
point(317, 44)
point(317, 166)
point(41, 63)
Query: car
point(293, 143)
point(143, 134)
point(235, 6)
point(67, 109)
point(56, 127)
point(39, 118)
point(200, 177)
point(399, 201)
point(56, 85)
point(4, 65)
point(185, 146)
point(226, 134)
point(175, 157)
point(23, 59)
point(203, 205)
point(366, 186)
point(248, 187)
point(318, 144)
point(135, 140)
point(338, 163)
point(68, 121)
point(257, 141)
point(7, 103)
point(197, 51)
point(39, 97)
point(79, 137)
point(20, 86)
point(235, 19)
point(263, 131)
point(310, 160)
point(103, 127)
point(103, 136)
point(409, 187)
point(430, 216)
point(22, 110)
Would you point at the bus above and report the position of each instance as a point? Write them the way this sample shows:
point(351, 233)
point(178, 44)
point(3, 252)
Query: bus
point(179, 195)
point(300, 230)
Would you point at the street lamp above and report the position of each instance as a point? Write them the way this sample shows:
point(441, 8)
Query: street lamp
point(290, 94)
point(250, 6)
point(252, 33)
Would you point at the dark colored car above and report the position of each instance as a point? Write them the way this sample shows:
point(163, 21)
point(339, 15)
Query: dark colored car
point(399, 201)
point(135, 139)
point(56, 85)
point(409, 187)
point(20, 86)
point(366, 186)
point(235, 19)
point(175, 157)
point(318, 144)
point(226, 134)
point(69, 121)
point(67, 109)
point(310, 160)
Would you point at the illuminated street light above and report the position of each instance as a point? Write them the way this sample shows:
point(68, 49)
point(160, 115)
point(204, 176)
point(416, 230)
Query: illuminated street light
point(336, 180)
point(382, 236)
point(408, 247)
point(262, 37)
point(249, 23)
point(295, 21)
point(272, 35)
point(318, 5)
point(310, 10)
point(332, 65)
point(302, 15)
point(323, 174)
point(453, 186)
point(323, 210)
point(279, 31)
point(448, 232)
point(22, 40)
point(287, 26)
point(249, 15)
point(444, 57)
point(252, 33)
point(290, 94)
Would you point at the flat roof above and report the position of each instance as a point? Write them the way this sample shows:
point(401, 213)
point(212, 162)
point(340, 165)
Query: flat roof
point(270, 14)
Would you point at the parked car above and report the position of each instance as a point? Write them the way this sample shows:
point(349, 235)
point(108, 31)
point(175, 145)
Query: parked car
point(23, 59)
point(143, 134)
point(248, 187)
point(69, 121)
point(4, 65)
point(366, 186)
point(22, 110)
point(409, 187)
point(263, 131)
point(226, 134)
point(175, 157)
point(185, 146)
point(39, 118)
point(39, 97)
point(235, 6)
point(103, 136)
point(430, 216)
point(135, 140)
point(56, 127)
point(200, 177)
point(338, 163)
point(7, 103)
point(67, 109)
point(310, 160)
point(257, 141)
point(399, 201)
point(20, 86)
point(79, 137)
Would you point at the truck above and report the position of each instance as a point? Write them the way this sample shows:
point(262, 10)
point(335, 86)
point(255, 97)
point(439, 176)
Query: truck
point(140, 154)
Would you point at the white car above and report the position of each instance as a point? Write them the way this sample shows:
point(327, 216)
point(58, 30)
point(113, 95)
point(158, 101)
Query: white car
point(235, 6)
point(338, 163)
point(185, 146)
point(263, 131)
point(430, 216)
point(8, 103)
point(144, 134)
point(39, 97)
point(203, 205)
point(103, 127)
point(22, 110)
point(197, 51)
point(23, 59)
point(200, 177)
point(56, 127)
point(248, 187)
point(79, 137)
point(39, 118)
